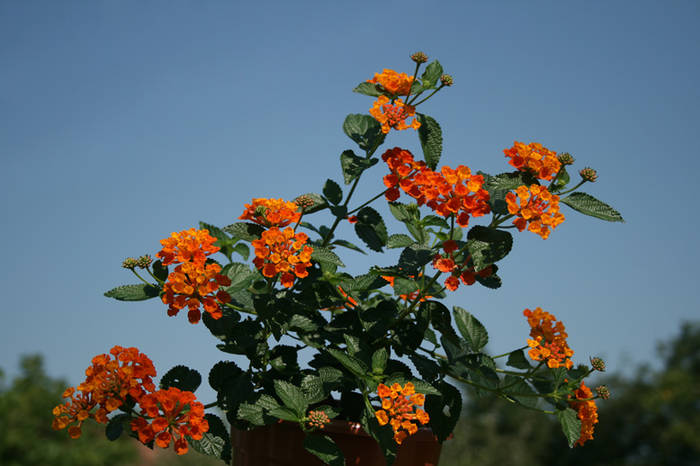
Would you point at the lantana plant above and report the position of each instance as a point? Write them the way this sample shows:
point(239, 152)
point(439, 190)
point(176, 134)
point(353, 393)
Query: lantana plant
point(385, 352)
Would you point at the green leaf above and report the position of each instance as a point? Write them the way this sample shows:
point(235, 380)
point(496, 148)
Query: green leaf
point(570, 425)
point(430, 136)
point(325, 255)
point(243, 250)
point(351, 363)
point(133, 292)
point(349, 245)
point(370, 228)
point(444, 410)
point(241, 276)
point(488, 245)
point(517, 359)
point(244, 230)
point(379, 359)
point(115, 426)
point(434, 221)
point(413, 258)
point(330, 375)
point(507, 181)
point(431, 75)
point(160, 271)
point(406, 213)
point(427, 368)
point(493, 281)
point(285, 414)
point(399, 241)
point(292, 397)
point(181, 377)
point(519, 390)
point(353, 166)
point(471, 329)
point(562, 179)
point(302, 323)
point(589, 205)
point(319, 203)
point(367, 88)
point(404, 286)
point(332, 192)
point(325, 449)
point(216, 441)
point(312, 386)
point(364, 130)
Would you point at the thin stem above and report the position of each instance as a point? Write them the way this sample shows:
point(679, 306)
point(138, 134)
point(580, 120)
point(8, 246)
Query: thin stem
point(510, 352)
point(329, 235)
point(141, 278)
point(431, 94)
point(572, 189)
point(154, 277)
point(369, 202)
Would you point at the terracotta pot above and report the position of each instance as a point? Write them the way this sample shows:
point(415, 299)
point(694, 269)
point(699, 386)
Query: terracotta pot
point(283, 445)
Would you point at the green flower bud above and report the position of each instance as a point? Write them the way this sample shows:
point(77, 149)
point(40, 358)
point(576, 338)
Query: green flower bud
point(598, 364)
point(588, 174)
point(419, 57)
point(130, 263)
point(565, 158)
point(603, 392)
point(446, 80)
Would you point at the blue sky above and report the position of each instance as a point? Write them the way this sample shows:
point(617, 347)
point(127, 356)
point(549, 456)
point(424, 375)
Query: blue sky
point(125, 121)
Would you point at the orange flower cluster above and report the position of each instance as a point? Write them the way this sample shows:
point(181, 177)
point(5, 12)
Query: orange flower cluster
point(393, 82)
point(586, 411)
point(109, 380)
point(317, 419)
point(397, 409)
point(548, 342)
point(446, 263)
point(193, 283)
point(172, 414)
point(448, 192)
point(271, 212)
point(282, 251)
point(536, 208)
point(393, 114)
point(535, 158)
point(407, 297)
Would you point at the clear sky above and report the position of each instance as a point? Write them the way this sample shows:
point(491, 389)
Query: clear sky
point(121, 122)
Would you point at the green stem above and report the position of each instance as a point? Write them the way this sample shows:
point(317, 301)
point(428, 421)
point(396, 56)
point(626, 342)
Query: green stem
point(572, 189)
point(158, 280)
point(141, 278)
point(329, 235)
point(211, 405)
point(431, 94)
point(369, 202)
point(510, 352)
point(241, 309)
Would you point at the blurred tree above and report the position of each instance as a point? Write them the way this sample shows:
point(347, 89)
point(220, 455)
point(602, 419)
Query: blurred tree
point(653, 418)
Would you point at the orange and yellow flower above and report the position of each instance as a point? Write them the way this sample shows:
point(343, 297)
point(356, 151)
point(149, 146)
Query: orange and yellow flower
point(271, 212)
point(548, 339)
point(282, 252)
point(196, 286)
point(534, 158)
point(586, 411)
point(393, 114)
point(108, 382)
point(395, 83)
point(398, 409)
point(187, 246)
point(536, 208)
point(168, 416)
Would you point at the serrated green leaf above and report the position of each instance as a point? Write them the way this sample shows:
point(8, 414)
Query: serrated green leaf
point(431, 75)
point(427, 368)
point(181, 377)
point(330, 375)
point(517, 359)
point(413, 258)
point(507, 181)
point(444, 410)
point(367, 88)
point(291, 396)
point(404, 286)
point(353, 166)
point(332, 192)
point(325, 255)
point(302, 323)
point(570, 425)
point(251, 413)
point(285, 414)
point(215, 442)
point(364, 130)
point(430, 135)
point(471, 329)
point(379, 359)
point(222, 374)
point(133, 292)
point(351, 363)
point(244, 230)
point(325, 449)
point(312, 386)
point(371, 229)
point(241, 276)
point(399, 241)
point(242, 250)
point(492, 281)
point(434, 221)
point(519, 390)
point(589, 205)
point(488, 245)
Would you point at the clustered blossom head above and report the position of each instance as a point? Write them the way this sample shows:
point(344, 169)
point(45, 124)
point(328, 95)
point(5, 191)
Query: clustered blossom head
point(458, 272)
point(393, 114)
point(448, 192)
point(394, 83)
point(193, 283)
point(548, 342)
point(586, 411)
point(317, 419)
point(169, 415)
point(536, 208)
point(282, 251)
point(398, 409)
point(534, 158)
point(108, 382)
point(272, 212)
